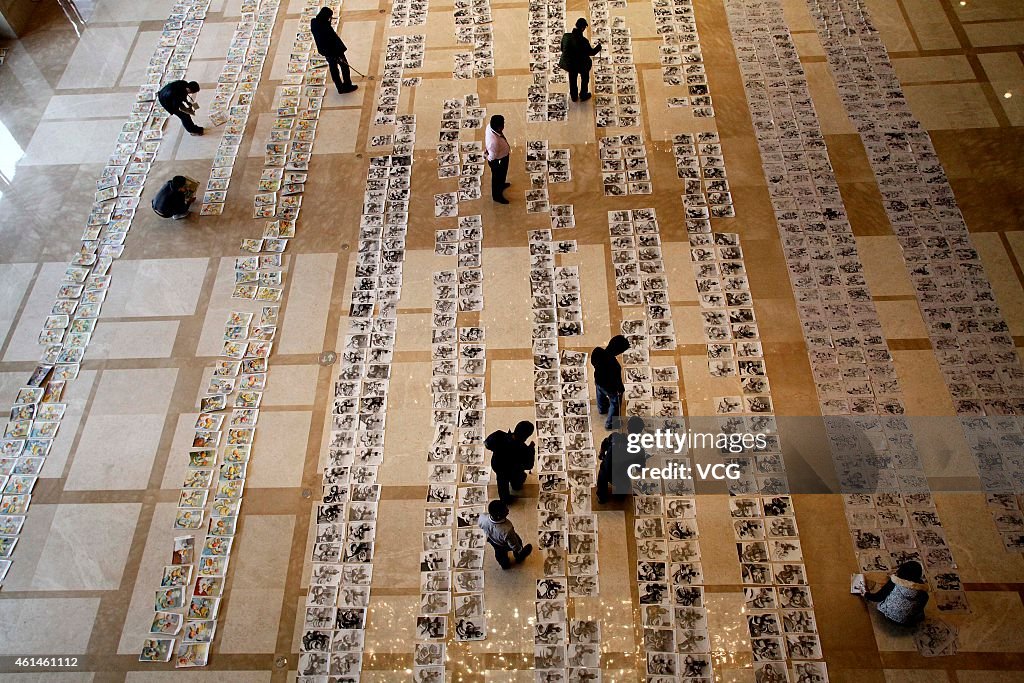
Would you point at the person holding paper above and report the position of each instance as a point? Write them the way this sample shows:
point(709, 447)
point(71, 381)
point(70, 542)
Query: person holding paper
point(331, 48)
point(497, 151)
point(576, 59)
point(174, 199)
point(175, 97)
point(903, 597)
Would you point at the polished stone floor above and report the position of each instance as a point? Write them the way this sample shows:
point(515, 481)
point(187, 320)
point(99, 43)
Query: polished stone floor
point(99, 528)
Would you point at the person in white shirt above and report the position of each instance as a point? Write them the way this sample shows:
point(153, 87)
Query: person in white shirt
point(497, 150)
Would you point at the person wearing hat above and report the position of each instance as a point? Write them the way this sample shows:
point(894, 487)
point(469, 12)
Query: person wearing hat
point(576, 59)
point(331, 48)
point(174, 97)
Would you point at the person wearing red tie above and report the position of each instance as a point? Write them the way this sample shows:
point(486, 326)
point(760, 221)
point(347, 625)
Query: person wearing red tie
point(497, 150)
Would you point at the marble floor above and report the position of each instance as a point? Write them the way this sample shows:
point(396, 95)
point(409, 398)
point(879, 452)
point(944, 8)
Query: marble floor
point(101, 524)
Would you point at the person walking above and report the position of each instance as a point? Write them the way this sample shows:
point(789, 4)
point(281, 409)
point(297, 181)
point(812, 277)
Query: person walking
point(497, 151)
point(576, 59)
point(502, 536)
point(174, 97)
point(173, 199)
point(511, 458)
point(608, 377)
point(332, 48)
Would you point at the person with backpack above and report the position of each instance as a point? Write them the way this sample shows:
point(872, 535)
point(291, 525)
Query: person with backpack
point(511, 459)
point(614, 460)
point(608, 377)
point(576, 59)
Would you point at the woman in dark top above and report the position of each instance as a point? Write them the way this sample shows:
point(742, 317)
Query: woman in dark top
point(903, 597)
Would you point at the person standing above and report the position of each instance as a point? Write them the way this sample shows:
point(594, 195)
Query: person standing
point(502, 536)
point(576, 59)
point(511, 458)
point(615, 459)
point(608, 377)
point(174, 97)
point(173, 200)
point(331, 48)
point(497, 150)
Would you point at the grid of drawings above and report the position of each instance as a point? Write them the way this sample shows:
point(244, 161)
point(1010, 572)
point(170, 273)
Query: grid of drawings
point(546, 26)
point(408, 13)
point(669, 575)
point(403, 52)
point(458, 475)
point(258, 276)
point(237, 84)
point(37, 410)
point(682, 63)
point(462, 160)
point(779, 607)
point(701, 167)
point(616, 88)
point(473, 27)
point(290, 144)
point(972, 341)
point(564, 649)
point(891, 513)
point(335, 617)
point(624, 165)
point(545, 166)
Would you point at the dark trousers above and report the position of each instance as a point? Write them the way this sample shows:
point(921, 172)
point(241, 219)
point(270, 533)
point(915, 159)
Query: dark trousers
point(604, 478)
point(499, 171)
point(501, 554)
point(505, 479)
point(584, 86)
point(345, 78)
point(186, 120)
point(608, 402)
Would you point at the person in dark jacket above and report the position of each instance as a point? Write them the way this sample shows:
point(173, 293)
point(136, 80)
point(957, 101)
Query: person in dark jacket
point(174, 98)
point(614, 460)
point(608, 377)
point(173, 200)
point(331, 47)
point(576, 59)
point(511, 458)
point(902, 598)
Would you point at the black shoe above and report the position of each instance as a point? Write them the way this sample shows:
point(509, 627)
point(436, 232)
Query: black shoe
point(501, 200)
point(508, 184)
point(527, 549)
point(197, 132)
point(347, 88)
point(573, 97)
point(585, 96)
point(505, 565)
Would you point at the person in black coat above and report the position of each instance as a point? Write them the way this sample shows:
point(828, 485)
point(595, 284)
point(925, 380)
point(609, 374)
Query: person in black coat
point(614, 461)
point(511, 458)
point(174, 98)
point(608, 377)
point(173, 200)
point(331, 47)
point(576, 59)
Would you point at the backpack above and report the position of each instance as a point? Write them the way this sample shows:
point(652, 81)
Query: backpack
point(566, 47)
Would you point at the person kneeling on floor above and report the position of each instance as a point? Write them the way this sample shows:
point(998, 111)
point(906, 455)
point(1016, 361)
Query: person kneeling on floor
point(174, 199)
point(903, 597)
point(502, 536)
